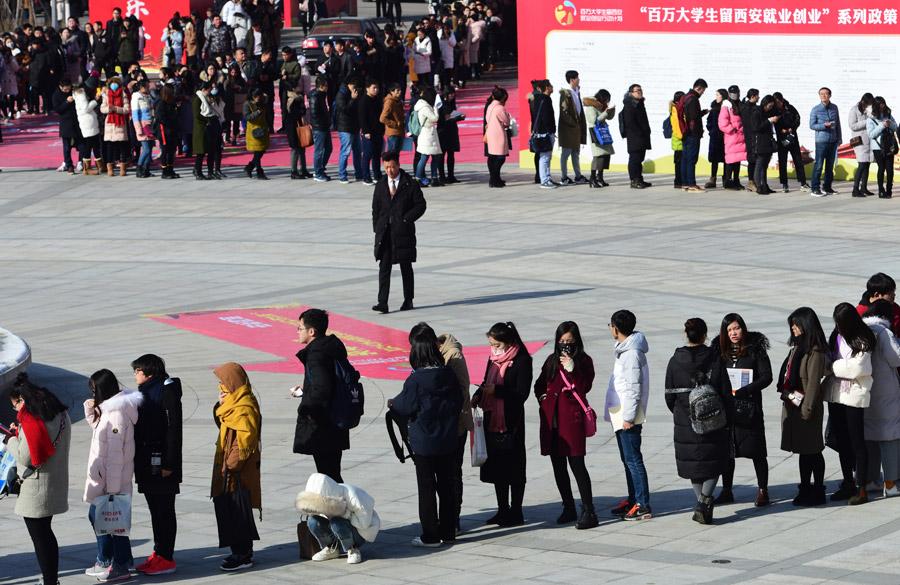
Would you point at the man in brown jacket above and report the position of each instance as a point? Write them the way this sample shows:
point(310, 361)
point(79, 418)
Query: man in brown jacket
point(392, 118)
point(190, 41)
point(572, 128)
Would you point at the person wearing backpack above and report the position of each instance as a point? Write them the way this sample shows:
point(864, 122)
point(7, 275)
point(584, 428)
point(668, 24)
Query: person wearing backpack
point(561, 391)
point(691, 117)
point(315, 433)
point(635, 128)
point(882, 130)
point(597, 112)
point(673, 132)
point(700, 408)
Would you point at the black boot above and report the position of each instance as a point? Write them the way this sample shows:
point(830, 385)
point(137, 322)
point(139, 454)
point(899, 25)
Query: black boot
point(198, 169)
point(588, 518)
point(600, 180)
point(845, 491)
point(261, 174)
point(248, 170)
point(592, 182)
point(817, 495)
point(726, 496)
point(803, 493)
point(568, 513)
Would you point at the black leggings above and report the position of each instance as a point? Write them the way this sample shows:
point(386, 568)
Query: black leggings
point(164, 522)
point(847, 424)
point(116, 152)
point(885, 166)
point(760, 465)
point(732, 174)
point(812, 466)
point(564, 485)
point(256, 161)
point(46, 549)
point(494, 164)
point(504, 503)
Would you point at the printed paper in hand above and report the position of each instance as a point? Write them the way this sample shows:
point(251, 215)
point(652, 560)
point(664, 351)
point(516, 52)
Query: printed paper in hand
point(739, 377)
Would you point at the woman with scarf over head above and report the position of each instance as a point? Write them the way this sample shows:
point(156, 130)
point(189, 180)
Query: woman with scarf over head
point(237, 460)
point(40, 445)
point(502, 396)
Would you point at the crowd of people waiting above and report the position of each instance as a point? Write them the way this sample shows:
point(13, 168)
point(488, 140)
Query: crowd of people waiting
point(221, 78)
point(714, 391)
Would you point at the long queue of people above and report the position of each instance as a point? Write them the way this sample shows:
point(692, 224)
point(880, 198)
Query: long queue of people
point(752, 130)
point(714, 391)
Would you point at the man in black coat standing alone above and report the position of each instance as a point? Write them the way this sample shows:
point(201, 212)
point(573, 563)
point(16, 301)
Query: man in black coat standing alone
point(396, 204)
point(636, 131)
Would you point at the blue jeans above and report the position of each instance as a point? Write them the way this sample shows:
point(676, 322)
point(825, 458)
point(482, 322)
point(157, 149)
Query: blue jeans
point(114, 550)
point(690, 154)
point(394, 144)
point(825, 153)
point(321, 151)
point(146, 151)
point(420, 168)
point(349, 145)
point(371, 157)
point(544, 164)
point(635, 473)
point(326, 531)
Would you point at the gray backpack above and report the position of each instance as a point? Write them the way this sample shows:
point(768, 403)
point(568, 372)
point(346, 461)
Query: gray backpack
point(706, 410)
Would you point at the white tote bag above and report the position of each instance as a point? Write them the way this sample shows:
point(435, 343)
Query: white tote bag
point(112, 514)
point(477, 442)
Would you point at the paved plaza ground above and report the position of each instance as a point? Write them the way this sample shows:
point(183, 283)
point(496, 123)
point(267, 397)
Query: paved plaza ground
point(86, 261)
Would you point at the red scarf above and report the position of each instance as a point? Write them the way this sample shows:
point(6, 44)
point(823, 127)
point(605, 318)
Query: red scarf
point(40, 447)
point(497, 366)
point(116, 100)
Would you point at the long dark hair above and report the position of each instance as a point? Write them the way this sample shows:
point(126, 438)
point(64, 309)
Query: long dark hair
point(725, 345)
point(38, 400)
point(508, 334)
point(865, 101)
point(813, 335)
point(551, 366)
point(423, 351)
point(104, 385)
point(849, 325)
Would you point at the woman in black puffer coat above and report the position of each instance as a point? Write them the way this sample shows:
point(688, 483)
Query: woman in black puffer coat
point(701, 458)
point(740, 349)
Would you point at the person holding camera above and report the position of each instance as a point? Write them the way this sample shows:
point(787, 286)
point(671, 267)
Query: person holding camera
point(568, 370)
point(786, 135)
point(40, 446)
point(762, 124)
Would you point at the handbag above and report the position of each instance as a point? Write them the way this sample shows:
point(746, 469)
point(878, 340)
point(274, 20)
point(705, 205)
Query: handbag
point(308, 543)
point(112, 514)
point(259, 133)
point(590, 415)
point(234, 515)
point(305, 135)
point(601, 134)
point(856, 141)
point(477, 440)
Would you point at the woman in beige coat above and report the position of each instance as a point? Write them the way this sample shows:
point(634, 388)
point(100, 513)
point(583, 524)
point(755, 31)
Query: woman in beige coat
point(115, 105)
point(596, 109)
point(40, 446)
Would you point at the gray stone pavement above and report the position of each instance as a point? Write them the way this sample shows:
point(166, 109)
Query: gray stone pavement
point(85, 260)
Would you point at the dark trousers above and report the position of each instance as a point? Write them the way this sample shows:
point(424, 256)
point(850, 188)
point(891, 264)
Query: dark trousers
point(213, 145)
point(256, 161)
point(164, 522)
point(812, 466)
point(676, 159)
point(847, 425)
point(384, 275)
point(494, 164)
point(762, 167)
point(371, 156)
point(167, 158)
point(564, 484)
point(437, 503)
point(732, 174)
point(885, 170)
point(796, 156)
point(329, 463)
point(636, 164)
point(459, 458)
point(89, 146)
point(691, 152)
point(67, 145)
point(751, 163)
point(760, 465)
point(46, 549)
point(241, 544)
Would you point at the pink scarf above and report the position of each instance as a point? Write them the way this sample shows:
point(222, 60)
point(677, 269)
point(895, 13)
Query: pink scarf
point(496, 372)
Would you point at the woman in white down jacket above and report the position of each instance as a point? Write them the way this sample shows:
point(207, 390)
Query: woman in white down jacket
point(86, 110)
point(428, 143)
point(341, 516)
point(848, 396)
point(112, 412)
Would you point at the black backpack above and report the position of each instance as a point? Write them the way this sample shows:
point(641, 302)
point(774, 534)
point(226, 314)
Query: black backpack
point(398, 424)
point(706, 410)
point(348, 399)
point(622, 123)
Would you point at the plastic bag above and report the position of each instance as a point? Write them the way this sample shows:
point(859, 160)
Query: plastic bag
point(477, 442)
point(112, 514)
point(8, 476)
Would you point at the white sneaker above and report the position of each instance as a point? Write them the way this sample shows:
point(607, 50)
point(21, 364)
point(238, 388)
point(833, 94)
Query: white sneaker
point(417, 541)
point(328, 553)
point(61, 168)
point(892, 491)
point(353, 556)
point(97, 570)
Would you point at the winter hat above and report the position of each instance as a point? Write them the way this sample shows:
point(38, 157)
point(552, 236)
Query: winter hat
point(734, 92)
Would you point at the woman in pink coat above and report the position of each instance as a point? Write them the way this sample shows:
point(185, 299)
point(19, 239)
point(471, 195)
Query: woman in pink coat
point(735, 146)
point(112, 413)
point(496, 134)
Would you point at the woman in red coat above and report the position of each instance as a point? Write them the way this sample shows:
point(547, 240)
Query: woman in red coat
point(567, 370)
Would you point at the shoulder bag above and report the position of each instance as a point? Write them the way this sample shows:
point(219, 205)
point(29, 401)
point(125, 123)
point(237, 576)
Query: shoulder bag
point(590, 416)
point(539, 142)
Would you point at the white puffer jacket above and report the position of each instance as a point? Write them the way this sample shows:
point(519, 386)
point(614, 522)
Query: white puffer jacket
point(87, 114)
point(111, 457)
point(428, 142)
point(325, 497)
point(852, 381)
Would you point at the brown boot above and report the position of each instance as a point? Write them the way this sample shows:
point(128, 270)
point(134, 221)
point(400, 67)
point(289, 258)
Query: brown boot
point(122, 167)
point(109, 170)
point(762, 497)
point(861, 498)
point(86, 168)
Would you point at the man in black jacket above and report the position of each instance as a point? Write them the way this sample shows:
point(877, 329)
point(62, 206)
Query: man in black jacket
point(786, 128)
point(157, 456)
point(396, 205)
point(320, 120)
point(372, 130)
point(346, 118)
point(315, 433)
point(693, 133)
point(69, 131)
point(637, 134)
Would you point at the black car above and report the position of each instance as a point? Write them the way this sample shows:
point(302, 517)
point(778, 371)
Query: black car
point(347, 29)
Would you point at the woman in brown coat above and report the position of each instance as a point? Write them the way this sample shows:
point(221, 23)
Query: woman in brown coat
point(237, 462)
point(801, 393)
